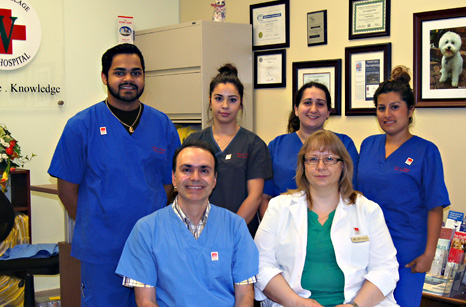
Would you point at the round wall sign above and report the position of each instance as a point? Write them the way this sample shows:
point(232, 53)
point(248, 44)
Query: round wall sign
point(20, 34)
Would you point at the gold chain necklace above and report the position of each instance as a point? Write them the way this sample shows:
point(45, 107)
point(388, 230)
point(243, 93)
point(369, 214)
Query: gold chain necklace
point(319, 219)
point(131, 130)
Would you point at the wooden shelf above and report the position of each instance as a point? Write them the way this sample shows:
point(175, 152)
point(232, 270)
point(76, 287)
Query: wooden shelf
point(70, 277)
point(21, 193)
point(431, 300)
point(45, 188)
point(21, 209)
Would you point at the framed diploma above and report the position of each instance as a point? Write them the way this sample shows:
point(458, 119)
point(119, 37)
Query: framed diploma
point(439, 81)
point(270, 69)
point(369, 18)
point(366, 67)
point(270, 24)
point(327, 72)
point(317, 28)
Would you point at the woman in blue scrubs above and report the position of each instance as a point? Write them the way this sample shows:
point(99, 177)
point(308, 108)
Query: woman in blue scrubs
point(311, 108)
point(403, 173)
point(244, 161)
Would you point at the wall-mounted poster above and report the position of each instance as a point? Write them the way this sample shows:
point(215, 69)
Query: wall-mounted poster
point(366, 67)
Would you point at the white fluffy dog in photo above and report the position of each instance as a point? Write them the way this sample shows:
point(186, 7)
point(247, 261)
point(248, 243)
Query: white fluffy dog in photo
point(452, 62)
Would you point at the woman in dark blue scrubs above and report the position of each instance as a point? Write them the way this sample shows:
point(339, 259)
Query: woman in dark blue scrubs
point(403, 173)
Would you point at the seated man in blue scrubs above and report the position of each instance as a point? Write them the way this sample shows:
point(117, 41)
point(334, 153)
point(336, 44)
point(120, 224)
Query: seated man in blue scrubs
point(191, 253)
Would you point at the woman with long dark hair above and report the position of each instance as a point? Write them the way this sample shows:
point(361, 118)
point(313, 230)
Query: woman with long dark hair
point(403, 173)
point(244, 161)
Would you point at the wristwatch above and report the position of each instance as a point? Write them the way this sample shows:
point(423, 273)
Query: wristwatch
point(354, 304)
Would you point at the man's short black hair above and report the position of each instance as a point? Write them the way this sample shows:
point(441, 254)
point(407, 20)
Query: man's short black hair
point(107, 57)
point(196, 144)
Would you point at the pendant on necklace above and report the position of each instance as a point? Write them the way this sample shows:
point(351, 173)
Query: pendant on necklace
point(131, 129)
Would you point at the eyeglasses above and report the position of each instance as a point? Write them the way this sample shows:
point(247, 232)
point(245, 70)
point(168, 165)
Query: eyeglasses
point(329, 160)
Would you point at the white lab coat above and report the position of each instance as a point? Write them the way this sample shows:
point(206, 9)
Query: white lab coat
point(282, 240)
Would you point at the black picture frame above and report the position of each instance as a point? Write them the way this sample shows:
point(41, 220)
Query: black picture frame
point(428, 29)
point(324, 69)
point(363, 58)
point(275, 78)
point(382, 24)
point(317, 36)
point(273, 38)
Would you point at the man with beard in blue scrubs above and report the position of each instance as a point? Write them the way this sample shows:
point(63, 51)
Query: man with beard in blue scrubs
point(113, 167)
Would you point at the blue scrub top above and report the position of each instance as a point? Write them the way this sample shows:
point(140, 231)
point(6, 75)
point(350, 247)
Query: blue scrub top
point(406, 185)
point(162, 252)
point(120, 176)
point(284, 151)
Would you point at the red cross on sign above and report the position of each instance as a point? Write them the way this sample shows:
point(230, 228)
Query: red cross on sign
point(9, 31)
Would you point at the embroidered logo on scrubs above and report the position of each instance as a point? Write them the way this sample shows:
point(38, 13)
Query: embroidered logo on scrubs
point(242, 155)
point(409, 161)
point(402, 169)
point(228, 157)
point(214, 256)
point(159, 150)
point(103, 130)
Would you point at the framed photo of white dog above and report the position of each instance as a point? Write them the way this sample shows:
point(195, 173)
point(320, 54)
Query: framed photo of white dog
point(440, 58)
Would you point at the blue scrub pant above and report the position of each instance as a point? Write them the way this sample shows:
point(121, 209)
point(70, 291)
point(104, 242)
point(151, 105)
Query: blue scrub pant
point(408, 291)
point(100, 286)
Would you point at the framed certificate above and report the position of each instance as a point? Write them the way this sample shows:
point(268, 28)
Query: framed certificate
point(369, 18)
point(327, 72)
point(270, 25)
point(270, 69)
point(366, 67)
point(317, 28)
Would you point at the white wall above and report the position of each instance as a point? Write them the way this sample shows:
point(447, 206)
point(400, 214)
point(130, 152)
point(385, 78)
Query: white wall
point(88, 28)
point(445, 127)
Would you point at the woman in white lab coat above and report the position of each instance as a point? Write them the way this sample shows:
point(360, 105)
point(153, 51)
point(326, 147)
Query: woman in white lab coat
point(325, 244)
